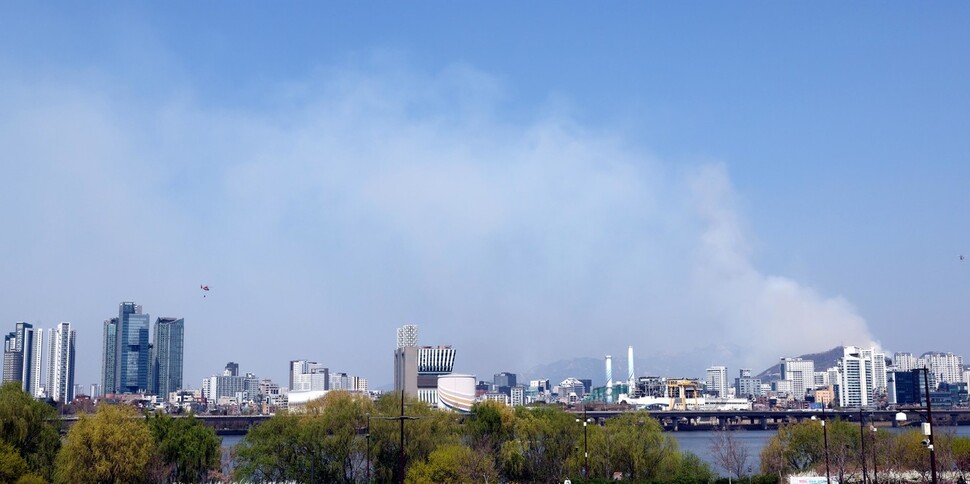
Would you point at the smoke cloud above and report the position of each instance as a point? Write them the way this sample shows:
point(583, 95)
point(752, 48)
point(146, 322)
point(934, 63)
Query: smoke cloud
point(344, 205)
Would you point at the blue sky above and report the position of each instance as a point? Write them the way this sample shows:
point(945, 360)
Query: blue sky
point(505, 176)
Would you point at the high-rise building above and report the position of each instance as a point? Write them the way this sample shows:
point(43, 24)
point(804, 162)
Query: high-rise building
point(37, 381)
point(407, 335)
point(307, 376)
point(230, 385)
point(109, 356)
point(60, 363)
point(13, 358)
point(801, 373)
point(717, 381)
point(747, 386)
point(18, 357)
point(416, 369)
point(944, 367)
point(855, 378)
point(503, 382)
point(904, 361)
point(166, 356)
point(131, 351)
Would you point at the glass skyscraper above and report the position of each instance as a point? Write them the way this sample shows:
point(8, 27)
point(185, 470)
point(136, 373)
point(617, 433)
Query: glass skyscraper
point(109, 360)
point(166, 356)
point(132, 349)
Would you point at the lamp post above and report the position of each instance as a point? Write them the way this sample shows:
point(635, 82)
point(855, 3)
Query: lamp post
point(862, 435)
point(585, 447)
point(875, 441)
point(367, 435)
point(928, 426)
point(825, 440)
point(400, 456)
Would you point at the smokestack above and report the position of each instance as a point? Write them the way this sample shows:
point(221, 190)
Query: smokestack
point(609, 379)
point(630, 376)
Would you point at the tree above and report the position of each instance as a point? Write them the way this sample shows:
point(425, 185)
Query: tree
point(454, 464)
point(113, 445)
point(693, 470)
point(429, 429)
point(322, 443)
point(543, 441)
point(30, 427)
point(730, 453)
point(186, 446)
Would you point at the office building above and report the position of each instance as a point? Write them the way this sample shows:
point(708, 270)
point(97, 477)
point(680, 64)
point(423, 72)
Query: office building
point(125, 364)
point(165, 374)
point(747, 386)
point(717, 381)
point(308, 376)
point(109, 356)
point(416, 369)
point(801, 373)
point(503, 382)
point(60, 363)
point(13, 358)
point(18, 357)
point(230, 386)
point(517, 395)
point(910, 387)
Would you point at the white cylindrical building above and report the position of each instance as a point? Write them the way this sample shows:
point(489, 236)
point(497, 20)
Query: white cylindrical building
point(456, 392)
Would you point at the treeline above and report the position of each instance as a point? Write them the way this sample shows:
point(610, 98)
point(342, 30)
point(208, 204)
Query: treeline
point(114, 445)
point(346, 438)
point(855, 452)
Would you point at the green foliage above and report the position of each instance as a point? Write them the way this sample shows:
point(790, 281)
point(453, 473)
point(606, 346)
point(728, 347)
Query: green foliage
point(188, 449)
point(543, 441)
point(800, 448)
point(324, 443)
point(430, 429)
point(30, 427)
point(113, 445)
point(454, 463)
point(634, 444)
point(693, 470)
point(12, 466)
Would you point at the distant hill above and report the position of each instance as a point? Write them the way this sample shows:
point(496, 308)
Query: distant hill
point(823, 361)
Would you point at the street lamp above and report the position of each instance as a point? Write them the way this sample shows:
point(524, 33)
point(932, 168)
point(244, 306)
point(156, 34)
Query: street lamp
point(928, 425)
point(862, 435)
point(825, 439)
point(585, 448)
point(401, 418)
point(875, 441)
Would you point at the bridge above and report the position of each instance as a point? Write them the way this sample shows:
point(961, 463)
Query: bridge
point(685, 420)
point(222, 424)
point(672, 420)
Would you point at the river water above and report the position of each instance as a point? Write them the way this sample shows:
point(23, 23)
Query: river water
point(699, 442)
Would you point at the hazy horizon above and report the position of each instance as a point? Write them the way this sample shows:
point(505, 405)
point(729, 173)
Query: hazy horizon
point(717, 185)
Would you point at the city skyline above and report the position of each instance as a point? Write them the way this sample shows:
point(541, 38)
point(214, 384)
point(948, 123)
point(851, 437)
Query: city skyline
point(720, 185)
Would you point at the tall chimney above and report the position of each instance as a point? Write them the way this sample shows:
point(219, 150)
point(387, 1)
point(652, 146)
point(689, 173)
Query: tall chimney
point(630, 375)
point(609, 379)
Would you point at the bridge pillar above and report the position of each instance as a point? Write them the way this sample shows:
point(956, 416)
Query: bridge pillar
point(954, 417)
point(764, 423)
